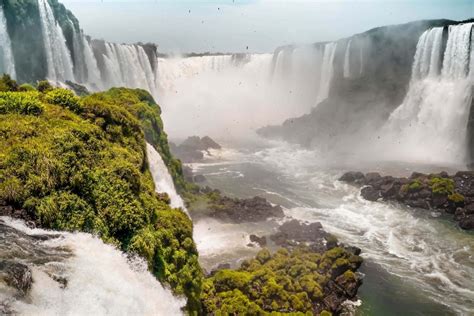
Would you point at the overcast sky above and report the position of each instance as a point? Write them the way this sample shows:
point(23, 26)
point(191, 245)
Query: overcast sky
point(262, 25)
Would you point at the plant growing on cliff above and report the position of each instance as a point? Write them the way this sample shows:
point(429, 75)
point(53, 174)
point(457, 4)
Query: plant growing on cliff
point(79, 164)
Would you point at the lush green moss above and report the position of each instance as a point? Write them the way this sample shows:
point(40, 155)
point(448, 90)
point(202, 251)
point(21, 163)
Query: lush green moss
point(456, 198)
point(442, 185)
point(414, 185)
point(285, 282)
point(141, 104)
point(80, 164)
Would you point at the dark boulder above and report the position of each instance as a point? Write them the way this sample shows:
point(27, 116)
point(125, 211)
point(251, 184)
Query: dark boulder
point(261, 241)
point(352, 176)
point(371, 194)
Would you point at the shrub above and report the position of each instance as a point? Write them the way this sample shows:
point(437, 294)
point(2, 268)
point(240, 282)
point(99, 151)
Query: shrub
point(21, 103)
point(26, 87)
point(7, 84)
point(44, 86)
point(65, 98)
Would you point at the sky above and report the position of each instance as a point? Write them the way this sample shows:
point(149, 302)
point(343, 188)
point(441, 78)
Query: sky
point(249, 25)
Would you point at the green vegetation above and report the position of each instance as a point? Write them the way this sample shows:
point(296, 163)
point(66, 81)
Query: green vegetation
point(79, 164)
point(441, 185)
point(288, 282)
point(456, 198)
point(414, 185)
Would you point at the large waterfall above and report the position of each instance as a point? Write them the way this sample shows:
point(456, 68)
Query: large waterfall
point(431, 123)
point(162, 178)
point(58, 57)
point(7, 62)
point(51, 273)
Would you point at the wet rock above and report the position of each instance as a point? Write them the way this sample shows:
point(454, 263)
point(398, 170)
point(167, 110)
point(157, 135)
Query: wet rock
point(294, 232)
point(261, 241)
point(436, 192)
point(199, 178)
point(467, 222)
point(256, 209)
point(17, 275)
point(370, 193)
point(191, 150)
point(352, 176)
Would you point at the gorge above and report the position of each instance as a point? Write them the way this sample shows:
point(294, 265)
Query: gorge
point(89, 182)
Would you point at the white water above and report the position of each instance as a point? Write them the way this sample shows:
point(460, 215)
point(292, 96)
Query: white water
point(327, 71)
point(58, 57)
point(162, 178)
point(94, 78)
point(7, 62)
point(405, 242)
point(431, 124)
point(214, 94)
point(101, 280)
point(347, 60)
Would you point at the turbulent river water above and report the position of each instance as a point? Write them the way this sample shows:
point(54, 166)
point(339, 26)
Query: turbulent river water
point(416, 262)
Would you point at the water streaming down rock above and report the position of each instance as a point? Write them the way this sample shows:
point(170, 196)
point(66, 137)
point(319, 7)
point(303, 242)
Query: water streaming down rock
point(347, 60)
point(51, 273)
point(7, 62)
point(162, 178)
point(431, 123)
point(327, 71)
point(58, 57)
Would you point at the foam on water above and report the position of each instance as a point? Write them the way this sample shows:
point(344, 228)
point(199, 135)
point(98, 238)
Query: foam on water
point(101, 280)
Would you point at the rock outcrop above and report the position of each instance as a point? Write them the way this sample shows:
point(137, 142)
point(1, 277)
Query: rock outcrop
point(193, 148)
point(453, 194)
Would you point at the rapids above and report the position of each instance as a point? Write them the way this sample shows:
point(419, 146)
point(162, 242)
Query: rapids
point(77, 274)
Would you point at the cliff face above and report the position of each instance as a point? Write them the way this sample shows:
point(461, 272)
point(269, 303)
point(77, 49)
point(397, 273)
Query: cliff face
point(367, 85)
point(30, 49)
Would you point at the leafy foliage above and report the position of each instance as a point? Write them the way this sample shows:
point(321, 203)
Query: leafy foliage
point(442, 185)
point(80, 165)
point(289, 281)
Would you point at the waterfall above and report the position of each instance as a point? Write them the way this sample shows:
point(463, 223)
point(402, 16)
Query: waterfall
point(431, 123)
point(347, 60)
point(80, 71)
point(327, 71)
point(7, 62)
point(94, 79)
point(162, 178)
point(58, 57)
point(75, 274)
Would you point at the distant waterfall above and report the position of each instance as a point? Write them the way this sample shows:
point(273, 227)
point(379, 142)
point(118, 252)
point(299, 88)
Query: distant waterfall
point(94, 78)
point(347, 60)
point(7, 62)
point(76, 274)
point(60, 66)
point(327, 71)
point(162, 178)
point(431, 124)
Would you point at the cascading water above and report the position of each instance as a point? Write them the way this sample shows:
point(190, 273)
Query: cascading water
point(431, 124)
point(347, 60)
point(51, 273)
point(162, 178)
point(7, 62)
point(327, 71)
point(58, 57)
point(94, 79)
